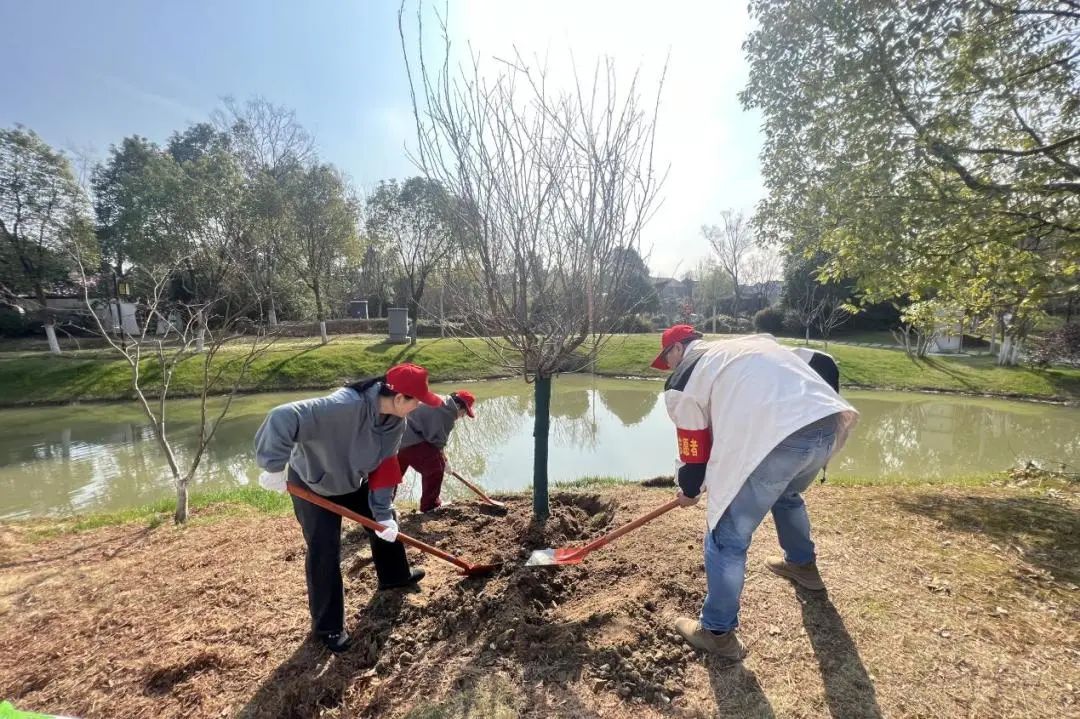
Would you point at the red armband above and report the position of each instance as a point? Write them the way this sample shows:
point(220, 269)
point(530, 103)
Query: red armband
point(694, 445)
point(387, 474)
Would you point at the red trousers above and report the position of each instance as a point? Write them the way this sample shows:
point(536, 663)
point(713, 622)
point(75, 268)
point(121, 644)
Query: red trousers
point(430, 462)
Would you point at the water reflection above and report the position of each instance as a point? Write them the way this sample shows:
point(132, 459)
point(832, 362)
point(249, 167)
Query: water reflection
point(67, 459)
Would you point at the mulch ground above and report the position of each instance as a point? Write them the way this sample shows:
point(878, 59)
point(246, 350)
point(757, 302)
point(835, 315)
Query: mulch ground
point(942, 603)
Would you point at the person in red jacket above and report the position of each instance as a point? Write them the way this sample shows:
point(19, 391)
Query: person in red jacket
point(427, 432)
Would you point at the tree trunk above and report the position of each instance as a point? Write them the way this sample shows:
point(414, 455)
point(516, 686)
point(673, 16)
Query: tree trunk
point(319, 314)
point(50, 334)
point(807, 341)
point(181, 514)
point(714, 318)
point(47, 320)
point(414, 320)
point(542, 392)
point(1009, 355)
point(200, 337)
point(271, 316)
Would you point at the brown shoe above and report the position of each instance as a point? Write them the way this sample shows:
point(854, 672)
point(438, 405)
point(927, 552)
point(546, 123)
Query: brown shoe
point(726, 645)
point(805, 575)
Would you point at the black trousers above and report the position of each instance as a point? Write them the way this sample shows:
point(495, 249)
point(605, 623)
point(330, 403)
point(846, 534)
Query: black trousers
point(322, 533)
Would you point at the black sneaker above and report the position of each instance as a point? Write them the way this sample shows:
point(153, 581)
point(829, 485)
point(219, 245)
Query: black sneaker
point(336, 643)
point(415, 576)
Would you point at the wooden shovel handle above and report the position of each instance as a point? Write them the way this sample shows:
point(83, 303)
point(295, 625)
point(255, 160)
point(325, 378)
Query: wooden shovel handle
point(307, 494)
point(474, 488)
point(628, 527)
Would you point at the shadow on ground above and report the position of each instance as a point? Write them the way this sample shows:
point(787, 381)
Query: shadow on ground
point(1047, 530)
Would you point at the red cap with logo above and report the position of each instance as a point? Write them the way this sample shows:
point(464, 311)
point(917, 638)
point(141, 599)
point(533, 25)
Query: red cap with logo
point(672, 335)
point(412, 380)
point(466, 398)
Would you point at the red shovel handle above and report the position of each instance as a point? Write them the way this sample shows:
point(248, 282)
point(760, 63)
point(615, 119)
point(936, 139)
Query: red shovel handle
point(307, 494)
point(628, 527)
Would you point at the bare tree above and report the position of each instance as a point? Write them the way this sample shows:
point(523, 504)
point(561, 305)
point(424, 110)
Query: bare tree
point(267, 137)
point(272, 146)
point(549, 186)
point(832, 313)
point(210, 333)
point(378, 273)
point(807, 306)
point(762, 268)
point(732, 241)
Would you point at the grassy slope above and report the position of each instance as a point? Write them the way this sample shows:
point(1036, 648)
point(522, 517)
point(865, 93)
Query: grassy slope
point(40, 378)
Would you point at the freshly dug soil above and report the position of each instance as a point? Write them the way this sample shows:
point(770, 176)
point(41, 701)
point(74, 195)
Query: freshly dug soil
point(941, 603)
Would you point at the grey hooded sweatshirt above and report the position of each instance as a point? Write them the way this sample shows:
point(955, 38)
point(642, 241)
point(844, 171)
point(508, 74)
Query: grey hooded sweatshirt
point(331, 442)
point(431, 424)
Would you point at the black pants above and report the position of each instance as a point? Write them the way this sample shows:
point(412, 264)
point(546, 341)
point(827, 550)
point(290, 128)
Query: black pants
point(322, 533)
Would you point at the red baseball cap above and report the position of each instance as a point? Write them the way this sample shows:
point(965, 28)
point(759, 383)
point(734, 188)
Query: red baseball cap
point(672, 335)
point(467, 399)
point(412, 380)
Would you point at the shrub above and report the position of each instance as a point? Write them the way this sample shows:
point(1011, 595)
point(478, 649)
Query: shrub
point(1060, 345)
point(633, 325)
point(14, 323)
point(770, 319)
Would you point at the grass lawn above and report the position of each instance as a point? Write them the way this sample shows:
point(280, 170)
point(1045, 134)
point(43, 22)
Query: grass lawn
point(29, 378)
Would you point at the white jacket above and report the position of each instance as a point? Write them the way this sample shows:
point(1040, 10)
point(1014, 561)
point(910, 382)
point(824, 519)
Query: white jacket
point(733, 401)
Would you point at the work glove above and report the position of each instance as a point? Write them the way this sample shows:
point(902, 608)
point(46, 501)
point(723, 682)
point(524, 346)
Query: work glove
point(274, 481)
point(390, 533)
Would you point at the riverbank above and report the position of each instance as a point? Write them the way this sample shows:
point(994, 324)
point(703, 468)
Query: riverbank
point(29, 379)
point(944, 601)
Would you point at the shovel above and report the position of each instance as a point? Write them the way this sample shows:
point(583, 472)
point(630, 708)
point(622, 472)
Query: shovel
point(571, 555)
point(470, 570)
point(494, 504)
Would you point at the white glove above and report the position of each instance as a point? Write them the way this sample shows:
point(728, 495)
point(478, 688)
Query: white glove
point(390, 533)
point(274, 481)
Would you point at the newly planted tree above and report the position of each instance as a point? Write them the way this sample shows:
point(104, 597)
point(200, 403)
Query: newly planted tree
point(551, 188)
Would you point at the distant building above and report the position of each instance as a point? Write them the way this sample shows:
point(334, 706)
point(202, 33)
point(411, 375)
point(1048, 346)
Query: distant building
point(767, 293)
point(670, 289)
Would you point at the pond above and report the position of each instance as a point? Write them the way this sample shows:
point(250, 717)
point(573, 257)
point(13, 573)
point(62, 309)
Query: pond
point(60, 460)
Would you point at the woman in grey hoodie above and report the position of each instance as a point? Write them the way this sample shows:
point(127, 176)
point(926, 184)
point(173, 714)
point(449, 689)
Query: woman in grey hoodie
point(342, 446)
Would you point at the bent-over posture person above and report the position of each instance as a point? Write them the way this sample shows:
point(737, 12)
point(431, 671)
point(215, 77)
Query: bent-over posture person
point(755, 423)
point(343, 447)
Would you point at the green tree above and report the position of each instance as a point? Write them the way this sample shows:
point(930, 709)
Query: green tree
point(635, 293)
point(135, 206)
point(43, 213)
point(326, 221)
point(416, 218)
point(930, 149)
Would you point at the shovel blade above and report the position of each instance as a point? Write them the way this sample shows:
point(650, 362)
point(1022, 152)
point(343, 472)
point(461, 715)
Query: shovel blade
point(496, 509)
point(554, 557)
point(479, 570)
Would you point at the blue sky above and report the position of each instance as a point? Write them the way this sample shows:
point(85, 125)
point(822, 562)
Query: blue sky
point(86, 74)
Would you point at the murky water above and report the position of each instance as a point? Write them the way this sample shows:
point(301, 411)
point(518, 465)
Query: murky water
point(69, 459)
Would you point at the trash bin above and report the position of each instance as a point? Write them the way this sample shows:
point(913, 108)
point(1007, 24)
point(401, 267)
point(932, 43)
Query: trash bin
point(399, 324)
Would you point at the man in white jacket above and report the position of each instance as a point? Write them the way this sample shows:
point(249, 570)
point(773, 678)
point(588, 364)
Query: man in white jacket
point(755, 424)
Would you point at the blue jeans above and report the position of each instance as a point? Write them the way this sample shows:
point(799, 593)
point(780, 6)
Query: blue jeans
point(777, 484)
